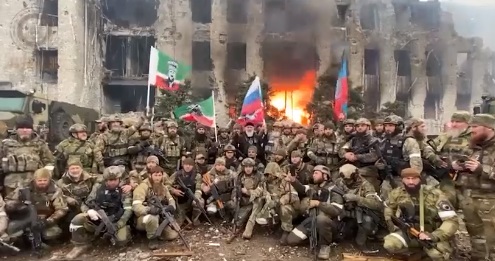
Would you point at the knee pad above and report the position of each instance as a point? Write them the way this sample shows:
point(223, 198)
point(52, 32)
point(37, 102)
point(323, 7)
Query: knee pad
point(393, 244)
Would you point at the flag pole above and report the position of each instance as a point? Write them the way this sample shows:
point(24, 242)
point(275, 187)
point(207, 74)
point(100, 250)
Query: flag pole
point(214, 115)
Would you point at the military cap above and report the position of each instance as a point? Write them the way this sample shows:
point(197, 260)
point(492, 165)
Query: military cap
point(272, 168)
point(295, 153)
point(221, 130)
point(248, 162)
point(113, 172)
point(461, 116)
point(237, 126)
point(349, 121)
point(78, 127)
point(295, 125)
point(287, 125)
point(281, 152)
point(156, 169)
point(253, 148)
point(301, 131)
point(329, 125)
point(42, 174)
point(391, 119)
point(201, 151)
point(188, 161)
point(74, 162)
point(410, 173)
point(347, 170)
point(152, 158)
point(485, 120)
point(249, 123)
point(229, 147)
point(172, 124)
point(363, 121)
point(414, 122)
point(146, 127)
point(24, 122)
point(379, 121)
point(317, 126)
point(322, 169)
point(220, 161)
point(115, 118)
point(200, 126)
point(278, 124)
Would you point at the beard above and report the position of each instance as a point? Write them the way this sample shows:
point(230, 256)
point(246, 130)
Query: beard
point(454, 133)
point(413, 190)
point(249, 133)
point(418, 135)
point(172, 134)
point(275, 134)
point(478, 139)
point(158, 189)
point(200, 136)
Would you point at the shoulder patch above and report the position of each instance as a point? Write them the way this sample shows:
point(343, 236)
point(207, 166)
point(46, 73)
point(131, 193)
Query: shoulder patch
point(444, 205)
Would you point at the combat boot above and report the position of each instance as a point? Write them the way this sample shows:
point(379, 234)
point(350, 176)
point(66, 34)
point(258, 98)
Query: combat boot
point(153, 244)
point(76, 251)
point(324, 253)
point(283, 239)
point(248, 231)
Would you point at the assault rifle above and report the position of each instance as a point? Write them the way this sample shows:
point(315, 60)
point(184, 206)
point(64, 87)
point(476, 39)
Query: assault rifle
point(33, 230)
point(360, 150)
point(387, 172)
point(168, 220)
point(410, 230)
point(215, 194)
point(237, 201)
point(106, 225)
point(440, 173)
point(9, 246)
point(313, 234)
point(190, 195)
point(162, 159)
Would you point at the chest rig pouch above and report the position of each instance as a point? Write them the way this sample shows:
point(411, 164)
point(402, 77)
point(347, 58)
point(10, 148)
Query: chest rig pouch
point(110, 201)
point(21, 157)
point(189, 181)
point(116, 145)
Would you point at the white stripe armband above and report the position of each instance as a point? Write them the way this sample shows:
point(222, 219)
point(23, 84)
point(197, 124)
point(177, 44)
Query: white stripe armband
point(135, 202)
point(447, 214)
point(415, 155)
point(338, 205)
point(306, 188)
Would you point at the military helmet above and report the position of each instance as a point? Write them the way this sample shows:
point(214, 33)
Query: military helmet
point(146, 127)
point(172, 124)
point(348, 171)
point(221, 130)
point(248, 162)
point(113, 172)
point(363, 121)
point(115, 118)
point(317, 126)
point(287, 125)
point(322, 169)
point(78, 127)
point(390, 120)
point(349, 122)
point(229, 147)
point(278, 124)
point(295, 125)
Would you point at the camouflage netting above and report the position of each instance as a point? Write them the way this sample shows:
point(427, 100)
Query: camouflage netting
point(128, 118)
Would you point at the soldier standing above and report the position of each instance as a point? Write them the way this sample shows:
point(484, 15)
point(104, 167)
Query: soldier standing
point(174, 148)
point(101, 127)
point(348, 130)
point(139, 150)
point(231, 161)
point(360, 152)
point(77, 147)
point(360, 194)
point(201, 141)
point(427, 210)
point(399, 151)
point(22, 154)
point(329, 207)
point(275, 141)
point(299, 142)
point(476, 185)
point(286, 133)
point(192, 180)
point(279, 157)
point(108, 197)
point(324, 150)
point(223, 140)
point(113, 145)
point(48, 200)
point(148, 218)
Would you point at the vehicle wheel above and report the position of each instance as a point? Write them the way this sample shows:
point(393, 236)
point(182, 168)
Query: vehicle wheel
point(60, 124)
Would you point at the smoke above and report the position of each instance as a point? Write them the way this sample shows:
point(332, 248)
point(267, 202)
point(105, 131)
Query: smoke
point(473, 18)
point(129, 13)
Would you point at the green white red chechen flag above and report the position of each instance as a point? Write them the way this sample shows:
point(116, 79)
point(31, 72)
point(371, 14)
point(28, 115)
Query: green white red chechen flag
point(165, 73)
point(202, 112)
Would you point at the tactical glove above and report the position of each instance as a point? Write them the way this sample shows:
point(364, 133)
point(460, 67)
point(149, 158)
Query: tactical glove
point(170, 209)
point(351, 197)
point(41, 224)
point(154, 210)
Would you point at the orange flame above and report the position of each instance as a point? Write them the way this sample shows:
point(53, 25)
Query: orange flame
point(290, 97)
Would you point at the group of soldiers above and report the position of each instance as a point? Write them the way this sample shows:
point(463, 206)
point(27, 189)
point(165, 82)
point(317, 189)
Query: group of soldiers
point(355, 181)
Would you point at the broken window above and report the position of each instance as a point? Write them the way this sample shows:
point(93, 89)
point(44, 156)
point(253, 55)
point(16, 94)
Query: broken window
point(128, 56)
point(403, 62)
point(126, 98)
point(369, 17)
point(297, 16)
point(431, 105)
point(48, 65)
point(127, 13)
point(236, 56)
point(201, 11)
point(402, 14)
point(342, 13)
point(426, 14)
point(275, 16)
point(201, 56)
point(433, 64)
point(237, 11)
point(49, 13)
point(371, 61)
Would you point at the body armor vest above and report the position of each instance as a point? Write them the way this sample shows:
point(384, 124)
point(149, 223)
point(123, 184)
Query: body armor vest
point(81, 152)
point(110, 201)
point(358, 144)
point(392, 152)
point(189, 181)
point(42, 201)
point(116, 145)
point(455, 145)
point(20, 157)
point(172, 148)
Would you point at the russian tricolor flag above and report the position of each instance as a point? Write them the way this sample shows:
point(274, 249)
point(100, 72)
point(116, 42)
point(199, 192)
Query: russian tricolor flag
point(252, 107)
point(341, 92)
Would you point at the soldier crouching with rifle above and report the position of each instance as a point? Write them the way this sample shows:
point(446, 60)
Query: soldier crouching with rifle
point(428, 220)
point(148, 212)
point(218, 184)
point(109, 210)
point(324, 205)
point(41, 205)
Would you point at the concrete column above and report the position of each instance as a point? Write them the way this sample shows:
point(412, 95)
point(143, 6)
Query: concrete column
point(449, 71)
point(326, 12)
point(388, 72)
point(71, 32)
point(418, 76)
point(256, 24)
point(218, 31)
point(355, 38)
point(479, 67)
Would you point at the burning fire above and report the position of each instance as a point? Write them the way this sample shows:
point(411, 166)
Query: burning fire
point(291, 96)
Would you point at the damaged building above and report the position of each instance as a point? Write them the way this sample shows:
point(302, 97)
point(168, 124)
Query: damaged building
point(95, 53)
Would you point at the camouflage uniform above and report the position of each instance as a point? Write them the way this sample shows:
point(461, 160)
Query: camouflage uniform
point(367, 156)
point(476, 188)
point(440, 220)
point(287, 136)
point(139, 145)
point(359, 194)
point(231, 162)
point(450, 148)
point(378, 134)
point(223, 181)
point(74, 148)
point(329, 206)
point(3, 221)
point(344, 136)
point(250, 201)
point(280, 157)
point(325, 151)
point(174, 148)
point(299, 142)
point(147, 221)
point(21, 158)
point(275, 140)
point(400, 152)
point(200, 142)
point(113, 145)
point(94, 136)
point(191, 180)
point(223, 140)
point(49, 203)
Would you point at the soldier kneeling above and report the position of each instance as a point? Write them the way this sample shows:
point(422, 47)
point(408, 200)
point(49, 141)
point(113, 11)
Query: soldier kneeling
point(109, 210)
point(423, 208)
